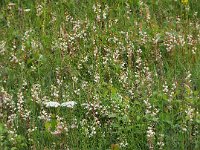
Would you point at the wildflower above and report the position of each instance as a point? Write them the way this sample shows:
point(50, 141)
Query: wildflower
point(184, 2)
point(52, 104)
point(11, 4)
point(27, 10)
point(58, 130)
point(85, 105)
point(69, 104)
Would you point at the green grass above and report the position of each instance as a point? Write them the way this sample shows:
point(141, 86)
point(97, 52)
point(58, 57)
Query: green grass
point(131, 66)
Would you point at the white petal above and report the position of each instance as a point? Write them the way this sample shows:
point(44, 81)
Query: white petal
point(52, 104)
point(69, 104)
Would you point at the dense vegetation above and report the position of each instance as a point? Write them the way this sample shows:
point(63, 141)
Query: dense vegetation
point(99, 75)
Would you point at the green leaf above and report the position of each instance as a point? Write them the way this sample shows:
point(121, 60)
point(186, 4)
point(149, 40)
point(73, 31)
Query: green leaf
point(198, 121)
point(47, 125)
point(53, 124)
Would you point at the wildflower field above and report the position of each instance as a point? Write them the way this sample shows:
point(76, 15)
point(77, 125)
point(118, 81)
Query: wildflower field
point(99, 75)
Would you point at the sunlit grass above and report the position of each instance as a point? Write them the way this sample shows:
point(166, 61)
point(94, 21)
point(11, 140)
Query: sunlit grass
point(91, 75)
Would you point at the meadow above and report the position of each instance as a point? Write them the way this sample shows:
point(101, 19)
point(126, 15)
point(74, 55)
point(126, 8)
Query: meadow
point(99, 75)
